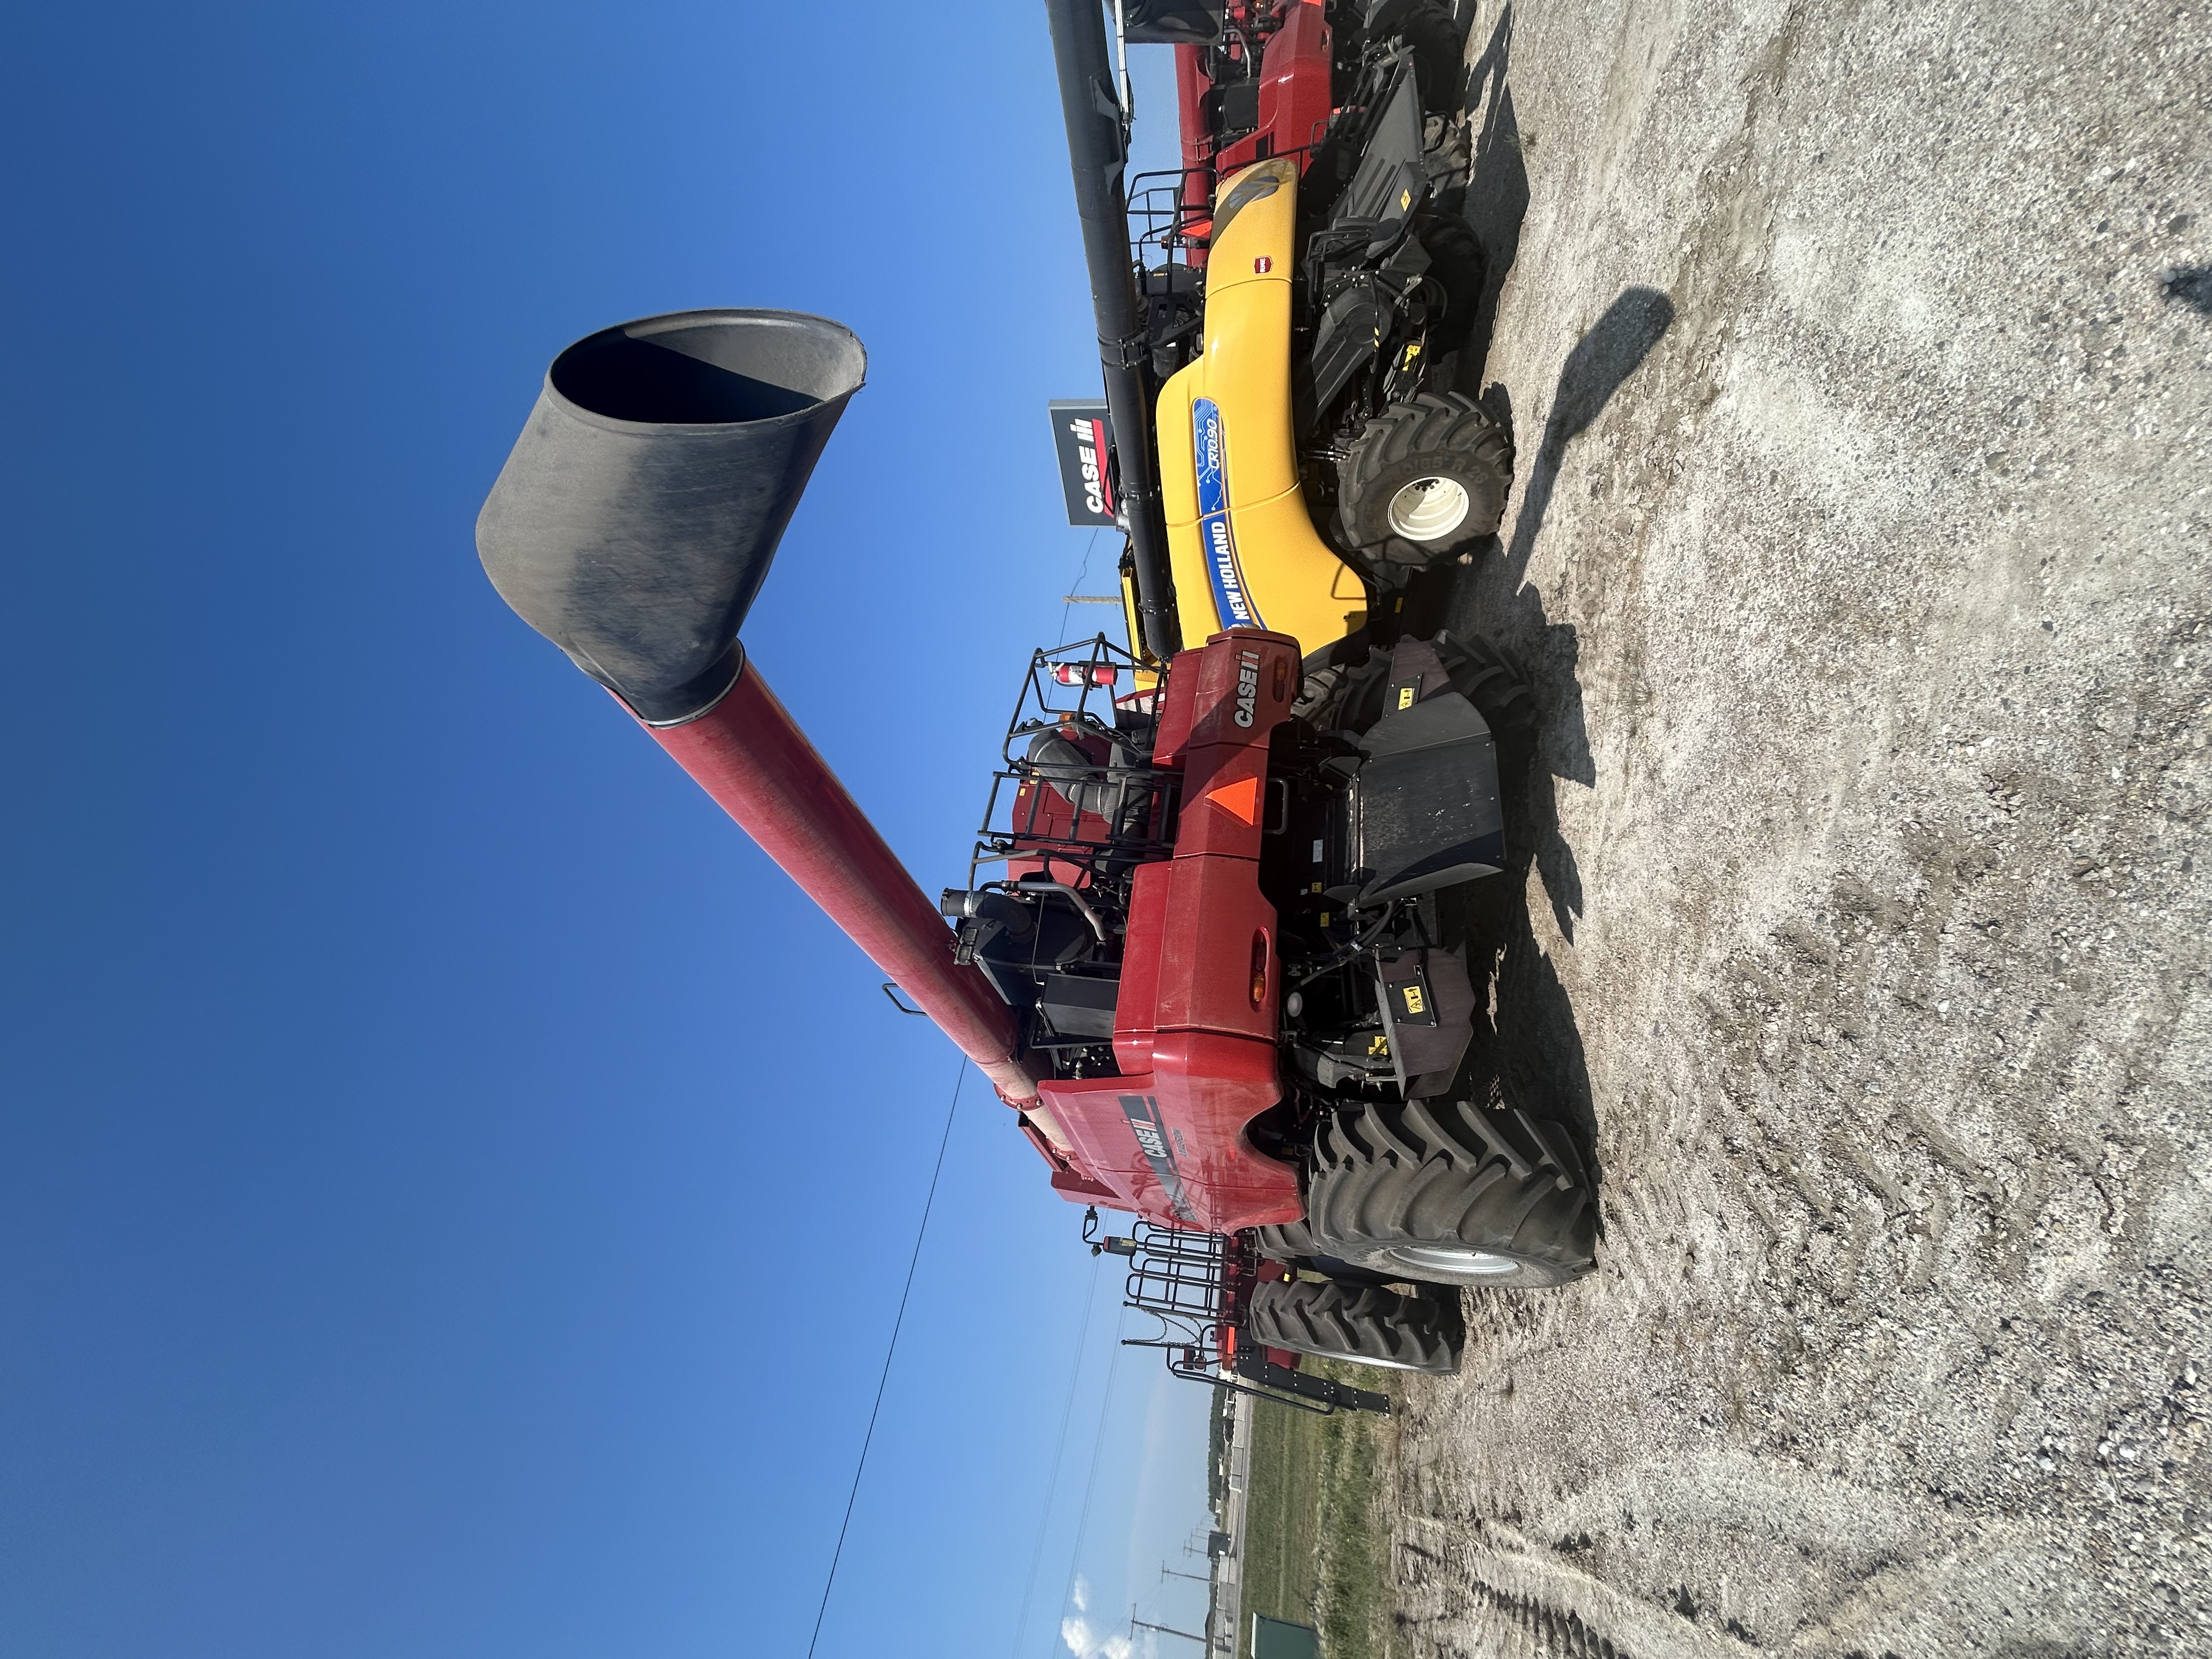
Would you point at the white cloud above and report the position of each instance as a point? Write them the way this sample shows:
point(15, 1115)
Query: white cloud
point(1085, 1639)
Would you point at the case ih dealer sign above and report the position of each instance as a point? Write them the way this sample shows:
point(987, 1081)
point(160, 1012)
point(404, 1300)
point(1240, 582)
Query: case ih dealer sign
point(1081, 438)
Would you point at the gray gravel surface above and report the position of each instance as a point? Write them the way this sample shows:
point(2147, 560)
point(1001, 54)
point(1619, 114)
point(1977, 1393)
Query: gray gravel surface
point(1860, 361)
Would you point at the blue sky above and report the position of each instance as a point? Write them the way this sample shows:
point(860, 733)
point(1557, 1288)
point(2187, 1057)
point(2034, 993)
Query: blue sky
point(453, 1191)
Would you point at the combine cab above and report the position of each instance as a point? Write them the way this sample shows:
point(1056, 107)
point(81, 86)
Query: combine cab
point(1201, 949)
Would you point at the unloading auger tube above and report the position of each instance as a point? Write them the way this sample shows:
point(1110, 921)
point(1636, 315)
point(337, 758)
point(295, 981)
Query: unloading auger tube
point(1097, 152)
point(632, 525)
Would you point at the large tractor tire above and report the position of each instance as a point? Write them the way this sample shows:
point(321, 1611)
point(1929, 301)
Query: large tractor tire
point(1439, 55)
point(1291, 1243)
point(1480, 672)
point(1288, 1242)
point(1349, 695)
point(1446, 1193)
point(1363, 1323)
point(1431, 474)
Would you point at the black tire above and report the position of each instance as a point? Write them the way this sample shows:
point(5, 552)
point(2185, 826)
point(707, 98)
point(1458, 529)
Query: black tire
point(1447, 1193)
point(1396, 487)
point(1291, 1243)
point(1363, 1323)
point(1438, 52)
point(1458, 265)
point(1480, 672)
point(1354, 701)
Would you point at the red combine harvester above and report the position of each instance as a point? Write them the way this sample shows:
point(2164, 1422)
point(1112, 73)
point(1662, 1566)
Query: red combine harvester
point(1200, 952)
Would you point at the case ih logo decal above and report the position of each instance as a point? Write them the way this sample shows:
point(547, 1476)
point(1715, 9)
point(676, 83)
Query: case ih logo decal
point(1232, 604)
point(1144, 1115)
point(1247, 686)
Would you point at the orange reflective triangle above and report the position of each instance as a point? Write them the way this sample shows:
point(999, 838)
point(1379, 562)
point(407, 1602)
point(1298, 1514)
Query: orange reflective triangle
point(1240, 799)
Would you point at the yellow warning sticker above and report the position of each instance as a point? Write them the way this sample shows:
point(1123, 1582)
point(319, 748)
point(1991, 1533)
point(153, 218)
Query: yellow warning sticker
point(1405, 696)
point(1415, 1005)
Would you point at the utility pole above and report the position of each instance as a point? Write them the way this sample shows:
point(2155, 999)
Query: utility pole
point(1137, 1624)
point(1167, 1571)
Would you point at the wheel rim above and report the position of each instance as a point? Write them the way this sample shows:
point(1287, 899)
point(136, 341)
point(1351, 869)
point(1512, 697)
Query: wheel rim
point(1458, 1259)
point(1428, 509)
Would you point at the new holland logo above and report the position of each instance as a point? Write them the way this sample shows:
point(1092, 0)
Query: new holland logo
point(1247, 686)
point(1233, 603)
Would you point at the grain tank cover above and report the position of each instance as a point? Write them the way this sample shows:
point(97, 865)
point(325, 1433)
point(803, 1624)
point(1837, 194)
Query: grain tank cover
point(639, 511)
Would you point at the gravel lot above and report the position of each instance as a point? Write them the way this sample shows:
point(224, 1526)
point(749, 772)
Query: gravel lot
point(1860, 359)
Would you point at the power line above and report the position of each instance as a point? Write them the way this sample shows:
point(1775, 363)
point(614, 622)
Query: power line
point(1098, 1441)
point(898, 1323)
point(1083, 570)
point(1052, 1482)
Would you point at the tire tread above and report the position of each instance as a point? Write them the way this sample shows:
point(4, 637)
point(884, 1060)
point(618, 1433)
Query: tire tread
point(1359, 1322)
point(1449, 1173)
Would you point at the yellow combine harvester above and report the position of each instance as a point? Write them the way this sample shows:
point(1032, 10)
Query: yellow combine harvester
point(1295, 446)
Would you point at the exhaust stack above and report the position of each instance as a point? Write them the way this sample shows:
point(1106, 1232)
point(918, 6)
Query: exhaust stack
point(632, 525)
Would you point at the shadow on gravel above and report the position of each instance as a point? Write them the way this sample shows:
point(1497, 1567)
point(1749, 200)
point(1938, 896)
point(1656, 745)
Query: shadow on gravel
point(1496, 199)
point(1602, 358)
point(1531, 1056)
point(2192, 286)
point(1549, 653)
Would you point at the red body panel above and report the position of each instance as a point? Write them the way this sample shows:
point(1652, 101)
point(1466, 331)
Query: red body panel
point(1209, 1088)
point(1191, 86)
point(1195, 1021)
point(1217, 920)
point(1141, 967)
point(1296, 98)
point(1225, 799)
point(1089, 1111)
point(747, 753)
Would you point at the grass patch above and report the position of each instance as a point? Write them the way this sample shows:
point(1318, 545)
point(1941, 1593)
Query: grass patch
point(1317, 1539)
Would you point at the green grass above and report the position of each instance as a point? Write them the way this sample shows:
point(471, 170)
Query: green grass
point(1317, 1543)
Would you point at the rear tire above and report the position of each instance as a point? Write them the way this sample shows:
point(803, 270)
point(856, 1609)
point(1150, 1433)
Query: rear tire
point(1443, 1192)
point(1439, 55)
point(1291, 1243)
point(1482, 674)
point(1365, 1324)
point(1428, 475)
